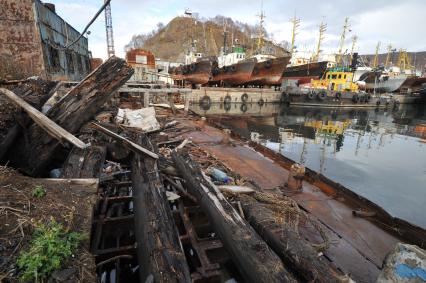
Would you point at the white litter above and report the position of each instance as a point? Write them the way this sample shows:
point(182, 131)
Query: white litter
point(143, 118)
point(236, 189)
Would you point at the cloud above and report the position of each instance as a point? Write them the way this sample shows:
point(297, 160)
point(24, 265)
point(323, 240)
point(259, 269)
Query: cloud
point(390, 21)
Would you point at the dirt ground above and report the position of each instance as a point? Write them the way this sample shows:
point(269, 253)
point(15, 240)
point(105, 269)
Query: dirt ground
point(20, 213)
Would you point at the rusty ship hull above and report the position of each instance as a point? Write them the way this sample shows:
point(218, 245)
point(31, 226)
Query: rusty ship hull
point(269, 72)
point(234, 75)
point(196, 73)
point(305, 73)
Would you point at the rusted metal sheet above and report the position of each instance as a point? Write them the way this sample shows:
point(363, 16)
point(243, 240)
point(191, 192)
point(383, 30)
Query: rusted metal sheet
point(31, 38)
point(358, 246)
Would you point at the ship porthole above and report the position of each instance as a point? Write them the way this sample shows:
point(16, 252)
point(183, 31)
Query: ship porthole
point(261, 102)
point(227, 99)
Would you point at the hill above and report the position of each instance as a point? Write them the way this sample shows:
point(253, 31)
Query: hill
point(172, 41)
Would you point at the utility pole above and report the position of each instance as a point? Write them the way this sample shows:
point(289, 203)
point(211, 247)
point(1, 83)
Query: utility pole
point(322, 29)
point(342, 40)
point(109, 34)
point(296, 23)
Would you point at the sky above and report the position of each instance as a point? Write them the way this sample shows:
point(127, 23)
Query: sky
point(396, 22)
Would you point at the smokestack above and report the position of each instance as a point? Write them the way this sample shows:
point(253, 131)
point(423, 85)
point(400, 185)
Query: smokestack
point(50, 6)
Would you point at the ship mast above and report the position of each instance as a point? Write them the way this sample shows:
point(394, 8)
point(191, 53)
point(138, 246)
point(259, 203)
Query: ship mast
point(260, 40)
point(342, 40)
point(376, 56)
point(322, 29)
point(296, 23)
point(388, 55)
point(354, 40)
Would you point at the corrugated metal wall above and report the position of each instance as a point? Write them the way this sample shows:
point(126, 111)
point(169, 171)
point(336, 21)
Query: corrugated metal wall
point(71, 64)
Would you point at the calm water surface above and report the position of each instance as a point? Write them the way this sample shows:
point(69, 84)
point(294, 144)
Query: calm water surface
point(379, 154)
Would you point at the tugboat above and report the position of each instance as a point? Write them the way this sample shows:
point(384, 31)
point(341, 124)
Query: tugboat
point(336, 88)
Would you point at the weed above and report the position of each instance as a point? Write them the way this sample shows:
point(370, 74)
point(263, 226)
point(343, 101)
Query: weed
point(39, 192)
point(50, 246)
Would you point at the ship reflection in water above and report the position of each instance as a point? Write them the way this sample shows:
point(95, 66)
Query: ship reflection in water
point(379, 154)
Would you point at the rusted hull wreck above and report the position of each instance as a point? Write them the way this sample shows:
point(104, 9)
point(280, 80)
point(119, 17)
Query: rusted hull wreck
point(269, 72)
point(234, 75)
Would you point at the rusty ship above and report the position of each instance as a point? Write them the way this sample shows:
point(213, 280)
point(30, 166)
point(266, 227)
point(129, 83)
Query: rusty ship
point(268, 70)
point(306, 72)
point(233, 68)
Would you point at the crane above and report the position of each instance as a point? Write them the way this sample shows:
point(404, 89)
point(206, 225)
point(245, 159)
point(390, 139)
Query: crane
point(109, 34)
point(296, 23)
point(322, 29)
point(342, 40)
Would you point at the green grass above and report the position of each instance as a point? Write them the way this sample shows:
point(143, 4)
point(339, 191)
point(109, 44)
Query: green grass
point(50, 247)
point(39, 192)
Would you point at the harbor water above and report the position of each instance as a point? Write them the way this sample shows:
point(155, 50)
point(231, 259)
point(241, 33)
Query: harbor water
point(379, 154)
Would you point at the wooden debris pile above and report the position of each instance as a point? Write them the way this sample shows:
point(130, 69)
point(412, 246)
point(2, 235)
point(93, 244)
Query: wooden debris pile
point(160, 214)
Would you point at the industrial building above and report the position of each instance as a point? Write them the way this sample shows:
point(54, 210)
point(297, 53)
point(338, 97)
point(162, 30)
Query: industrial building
point(32, 41)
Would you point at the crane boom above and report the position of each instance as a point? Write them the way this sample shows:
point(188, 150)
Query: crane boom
point(109, 33)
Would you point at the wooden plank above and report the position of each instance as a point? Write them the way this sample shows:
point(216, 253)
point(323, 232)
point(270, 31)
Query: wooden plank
point(48, 125)
point(127, 143)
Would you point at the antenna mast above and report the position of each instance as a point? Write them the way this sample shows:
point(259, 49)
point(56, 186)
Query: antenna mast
point(260, 40)
point(322, 29)
point(296, 24)
point(109, 34)
point(342, 40)
point(376, 56)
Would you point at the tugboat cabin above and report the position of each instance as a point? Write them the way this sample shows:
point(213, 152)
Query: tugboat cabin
point(336, 79)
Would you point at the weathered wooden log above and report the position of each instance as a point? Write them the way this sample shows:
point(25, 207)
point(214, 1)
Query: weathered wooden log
point(84, 163)
point(71, 113)
point(298, 255)
point(53, 129)
point(158, 247)
point(252, 256)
